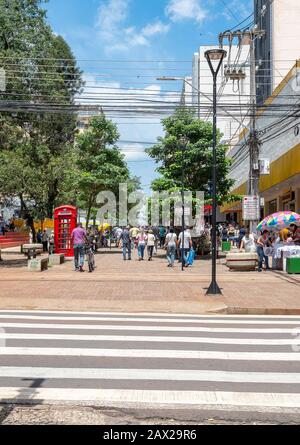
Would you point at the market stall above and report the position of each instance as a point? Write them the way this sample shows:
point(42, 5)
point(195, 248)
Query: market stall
point(285, 245)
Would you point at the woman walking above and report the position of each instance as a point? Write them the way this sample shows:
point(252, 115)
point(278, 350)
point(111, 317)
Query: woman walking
point(150, 244)
point(141, 242)
point(171, 244)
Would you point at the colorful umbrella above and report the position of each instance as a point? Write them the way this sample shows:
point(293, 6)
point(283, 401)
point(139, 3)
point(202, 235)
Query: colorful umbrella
point(279, 220)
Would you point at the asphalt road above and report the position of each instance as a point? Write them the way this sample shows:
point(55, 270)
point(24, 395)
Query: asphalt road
point(177, 368)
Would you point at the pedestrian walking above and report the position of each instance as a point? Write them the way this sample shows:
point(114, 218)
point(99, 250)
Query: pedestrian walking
point(134, 231)
point(262, 244)
point(79, 238)
point(141, 239)
point(125, 237)
point(39, 237)
point(155, 231)
point(150, 244)
point(2, 226)
point(45, 239)
point(242, 233)
point(118, 233)
point(186, 246)
point(162, 236)
point(51, 243)
point(224, 234)
point(171, 243)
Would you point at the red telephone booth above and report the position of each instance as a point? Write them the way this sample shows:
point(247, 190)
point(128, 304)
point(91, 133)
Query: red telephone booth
point(65, 220)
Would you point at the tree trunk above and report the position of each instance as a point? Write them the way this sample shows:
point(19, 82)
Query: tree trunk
point(29, 219)
point(88, 214)
point(51, 199)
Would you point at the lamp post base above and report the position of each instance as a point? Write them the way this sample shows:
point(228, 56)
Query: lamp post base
point(214, 289)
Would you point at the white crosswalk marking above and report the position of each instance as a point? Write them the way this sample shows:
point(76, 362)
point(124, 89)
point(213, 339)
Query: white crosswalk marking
point(124, 360)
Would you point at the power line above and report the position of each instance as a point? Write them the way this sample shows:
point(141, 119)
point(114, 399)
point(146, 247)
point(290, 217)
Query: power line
point(229, 9)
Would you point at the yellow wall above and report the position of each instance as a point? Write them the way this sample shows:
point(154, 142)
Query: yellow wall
point(285, 167)
point(46, 224)
point(241, 190)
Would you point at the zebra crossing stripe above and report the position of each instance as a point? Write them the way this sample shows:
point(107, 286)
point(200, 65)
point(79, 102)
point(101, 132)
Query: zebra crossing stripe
point(150, 374)
point(141, 353)
point(148, 328)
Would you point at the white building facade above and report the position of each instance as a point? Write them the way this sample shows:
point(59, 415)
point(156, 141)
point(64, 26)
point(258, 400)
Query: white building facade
point(278, 49)
point(278, 129)
point(230, 92)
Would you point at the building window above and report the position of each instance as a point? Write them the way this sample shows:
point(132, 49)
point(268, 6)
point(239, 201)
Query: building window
point(272, 205)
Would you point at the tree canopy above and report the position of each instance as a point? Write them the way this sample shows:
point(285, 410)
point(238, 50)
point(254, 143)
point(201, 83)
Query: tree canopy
point(101, 165)
point(196, 160)
point(36, 147)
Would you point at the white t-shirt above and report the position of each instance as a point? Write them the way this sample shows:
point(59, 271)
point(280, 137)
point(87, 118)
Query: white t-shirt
point(171, 239)
point(249, 244)
point(187, 239)
point(119, 232)
point(150, 240)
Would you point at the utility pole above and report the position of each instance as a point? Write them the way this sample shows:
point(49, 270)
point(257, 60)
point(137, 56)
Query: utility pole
point(254, 144)
point(248, 37)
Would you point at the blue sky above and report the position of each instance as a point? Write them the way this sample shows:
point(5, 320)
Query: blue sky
point(107, 35)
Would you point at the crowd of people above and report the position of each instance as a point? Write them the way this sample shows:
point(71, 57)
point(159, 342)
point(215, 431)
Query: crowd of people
point(150, 239)
point(47, 240)
point(177, 246)
point(263, 244)
point(6, 226)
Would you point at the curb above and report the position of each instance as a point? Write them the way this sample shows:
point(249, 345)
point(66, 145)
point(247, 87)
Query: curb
point(261, 311)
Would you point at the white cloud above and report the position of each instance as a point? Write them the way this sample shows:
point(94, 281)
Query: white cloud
point(110, 15)
point(179, 10)
point(155, 28)
point(112, 29)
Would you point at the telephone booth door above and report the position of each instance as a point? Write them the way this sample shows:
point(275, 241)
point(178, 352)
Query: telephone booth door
point(65, 219)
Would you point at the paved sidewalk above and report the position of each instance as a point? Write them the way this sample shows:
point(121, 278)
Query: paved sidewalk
point(133, 286)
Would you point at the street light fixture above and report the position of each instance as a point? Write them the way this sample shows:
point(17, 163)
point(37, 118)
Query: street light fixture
point(212, 56)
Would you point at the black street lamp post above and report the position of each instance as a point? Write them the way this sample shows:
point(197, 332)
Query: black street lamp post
point(214, 55)
point(183, 143)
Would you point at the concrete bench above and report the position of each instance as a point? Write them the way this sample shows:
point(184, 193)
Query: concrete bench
point(31, 249)
point(242, 261)
point(56, 259)
point(38, 264)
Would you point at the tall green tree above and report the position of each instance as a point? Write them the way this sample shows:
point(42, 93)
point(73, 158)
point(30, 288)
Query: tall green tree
point(101, 165)
point(197, 159)
point(36, 148)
